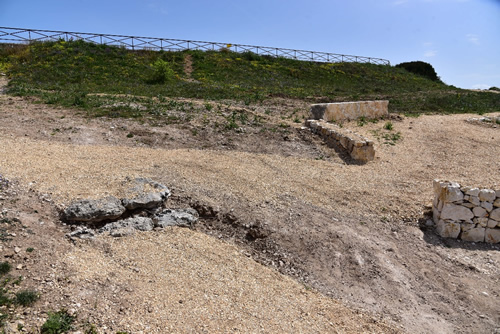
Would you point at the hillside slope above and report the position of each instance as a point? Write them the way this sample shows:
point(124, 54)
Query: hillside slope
point(69, 73)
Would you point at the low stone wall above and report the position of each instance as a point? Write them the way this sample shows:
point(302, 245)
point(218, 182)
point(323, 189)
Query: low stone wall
point(467, 213)
point(346, 111)
point(358, 147)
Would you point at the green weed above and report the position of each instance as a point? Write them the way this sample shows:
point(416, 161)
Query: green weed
point(57, 323)
point(26, 297)
point(5, 267)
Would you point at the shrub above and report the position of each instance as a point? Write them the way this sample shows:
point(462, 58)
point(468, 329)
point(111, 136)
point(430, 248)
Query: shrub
point(162, 71)
point(57, 323)
point(495, 88)
point(388, 126)
point(421, 68)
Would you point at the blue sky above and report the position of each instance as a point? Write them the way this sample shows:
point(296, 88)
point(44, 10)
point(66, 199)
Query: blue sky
point(460, 38)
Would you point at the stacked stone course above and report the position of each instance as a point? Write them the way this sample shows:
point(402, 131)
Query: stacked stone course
point(358, 147)
point(467, 213)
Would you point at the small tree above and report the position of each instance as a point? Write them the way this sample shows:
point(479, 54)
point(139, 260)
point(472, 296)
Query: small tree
point(421, 68)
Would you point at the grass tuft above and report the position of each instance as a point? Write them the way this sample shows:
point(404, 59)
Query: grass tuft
point(57, 323)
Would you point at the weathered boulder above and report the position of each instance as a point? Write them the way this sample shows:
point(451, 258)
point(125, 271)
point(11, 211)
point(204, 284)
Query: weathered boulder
point(136, 223)
point(94, 211)
point(146, 194)
point(179, 217)
point(456, 212)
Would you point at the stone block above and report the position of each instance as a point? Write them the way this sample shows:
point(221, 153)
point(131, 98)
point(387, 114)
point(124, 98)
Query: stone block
point(471, 191)
point(474, 234)
point(447, 229)
point(487, 206)
point(475, 200)
point(435, 215)
point(356, 145)
point(452, 194)
point(363, 153)
point(483, 222)
point(492, 235)
point(479, 212)
point(495, 214)
point(345, 111)
point(456, 212)
point(487, 195)
point(492, 223)
point(496, 203)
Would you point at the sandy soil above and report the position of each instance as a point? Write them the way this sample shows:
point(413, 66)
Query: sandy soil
point(355, 233)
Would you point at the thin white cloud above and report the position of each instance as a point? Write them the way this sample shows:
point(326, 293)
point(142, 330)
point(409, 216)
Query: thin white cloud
point(427, 44)
point(473, 38)
point(155, 6)
point(430, 53)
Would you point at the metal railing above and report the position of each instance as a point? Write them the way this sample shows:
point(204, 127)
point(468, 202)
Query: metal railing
point(20, 35)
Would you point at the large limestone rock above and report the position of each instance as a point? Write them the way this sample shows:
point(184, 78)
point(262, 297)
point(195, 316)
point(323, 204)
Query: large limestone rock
point(344, 111)
point(456, 213)
point(94, 211)
point(146, 194)
point(135, 223)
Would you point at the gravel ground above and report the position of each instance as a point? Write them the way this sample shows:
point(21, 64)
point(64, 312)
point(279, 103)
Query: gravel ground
point(330, 196)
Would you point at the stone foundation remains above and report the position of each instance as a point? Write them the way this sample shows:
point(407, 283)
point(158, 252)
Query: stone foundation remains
point(467, 213)
point(358, 147)
point(348, 111)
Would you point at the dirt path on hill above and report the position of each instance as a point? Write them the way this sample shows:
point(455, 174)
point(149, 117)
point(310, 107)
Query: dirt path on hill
point(354, 232)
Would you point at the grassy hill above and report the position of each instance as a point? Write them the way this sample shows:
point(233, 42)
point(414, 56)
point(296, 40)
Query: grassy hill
point(71, 73)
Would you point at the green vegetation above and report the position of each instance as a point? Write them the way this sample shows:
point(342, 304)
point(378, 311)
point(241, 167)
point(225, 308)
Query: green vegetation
point(388, 125)
point(57, 323)
point(5, 267)
point(421, 68)
point(26, 297)
point(115, 82)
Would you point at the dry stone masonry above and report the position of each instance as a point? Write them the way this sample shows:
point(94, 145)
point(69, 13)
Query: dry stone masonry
point(358, 147)
point(467, 213)
point(348, 111)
